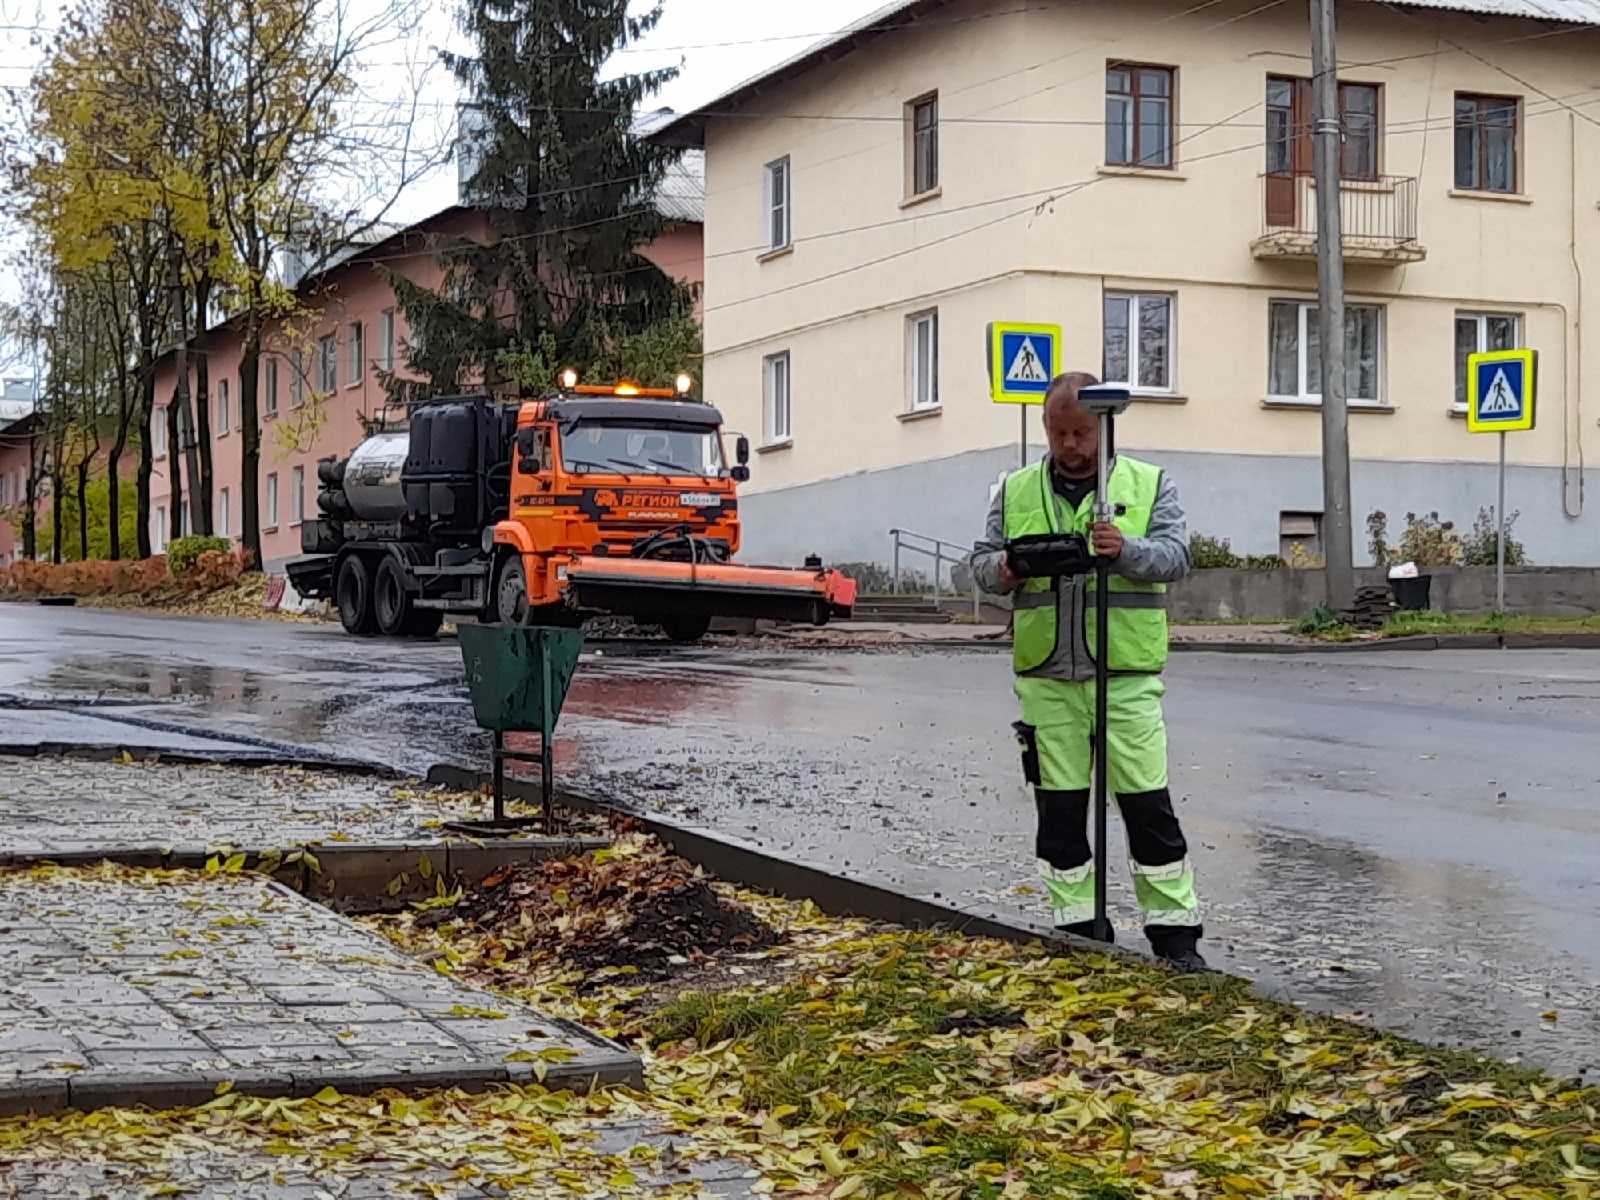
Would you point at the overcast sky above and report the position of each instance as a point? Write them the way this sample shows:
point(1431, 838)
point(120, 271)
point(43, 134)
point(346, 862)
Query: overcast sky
point(718, 43)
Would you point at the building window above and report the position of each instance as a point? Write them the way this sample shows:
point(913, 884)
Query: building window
point(1295, 355)
point(297, 496)
point(270, 519)
point(1138, 341)
point(922, 360)
point(1476, 333)
point(922, 132)
point(775, 399)
point(777, 204)
point(1486, 143)
point(224, 409)
point(1138, 115)
point(224, 517)
point(357, 346)
point(386, 340)
point(297, 378)
point(270, 387)
point(158, 530)
point(1289, 128)
point(327, 363)
point(158, 432)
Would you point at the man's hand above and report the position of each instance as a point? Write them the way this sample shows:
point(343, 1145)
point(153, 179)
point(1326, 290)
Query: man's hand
point(1107, 539)
point(1009, 580)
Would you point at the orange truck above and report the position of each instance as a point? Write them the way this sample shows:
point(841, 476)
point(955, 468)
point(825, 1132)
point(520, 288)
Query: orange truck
point(590, 500)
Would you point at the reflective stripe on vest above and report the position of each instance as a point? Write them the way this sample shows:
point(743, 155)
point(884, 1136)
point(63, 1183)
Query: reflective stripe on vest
point(1137, 620)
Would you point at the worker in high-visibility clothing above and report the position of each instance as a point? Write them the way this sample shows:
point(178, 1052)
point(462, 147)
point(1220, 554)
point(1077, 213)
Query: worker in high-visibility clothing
point(1053, 654)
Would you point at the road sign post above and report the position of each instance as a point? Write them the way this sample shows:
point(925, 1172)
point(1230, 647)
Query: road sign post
point(1023, 359)
point(1504, 386)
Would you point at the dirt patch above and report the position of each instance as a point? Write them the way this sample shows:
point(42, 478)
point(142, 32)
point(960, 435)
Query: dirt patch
point(629, 906)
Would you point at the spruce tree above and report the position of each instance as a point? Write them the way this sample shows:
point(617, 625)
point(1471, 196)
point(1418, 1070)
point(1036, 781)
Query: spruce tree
point(569, 191)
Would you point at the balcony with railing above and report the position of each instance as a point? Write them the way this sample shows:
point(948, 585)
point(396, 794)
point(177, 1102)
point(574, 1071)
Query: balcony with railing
point(1379, 218)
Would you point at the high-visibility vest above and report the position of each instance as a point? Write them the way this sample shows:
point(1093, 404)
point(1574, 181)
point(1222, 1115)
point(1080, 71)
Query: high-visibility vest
point(1137, 622)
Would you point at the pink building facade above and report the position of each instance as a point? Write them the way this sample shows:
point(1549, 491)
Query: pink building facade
point(320, 380)
point(16, 446)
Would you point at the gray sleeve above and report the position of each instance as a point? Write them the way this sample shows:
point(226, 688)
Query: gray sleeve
point(1162, 555)
point(984, 561)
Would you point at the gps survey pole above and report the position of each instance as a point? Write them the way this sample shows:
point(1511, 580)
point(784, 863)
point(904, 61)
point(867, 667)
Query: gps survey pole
point(1105, 403)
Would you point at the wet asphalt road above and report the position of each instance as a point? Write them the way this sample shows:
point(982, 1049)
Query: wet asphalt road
point(1411, 838)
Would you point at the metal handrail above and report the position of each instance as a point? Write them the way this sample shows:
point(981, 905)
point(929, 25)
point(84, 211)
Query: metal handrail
point(907, 539)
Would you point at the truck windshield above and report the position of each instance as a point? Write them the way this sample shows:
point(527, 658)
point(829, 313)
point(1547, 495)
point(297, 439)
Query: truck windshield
point(607, 448)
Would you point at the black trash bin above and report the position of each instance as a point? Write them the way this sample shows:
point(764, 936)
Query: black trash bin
point(1411, 594)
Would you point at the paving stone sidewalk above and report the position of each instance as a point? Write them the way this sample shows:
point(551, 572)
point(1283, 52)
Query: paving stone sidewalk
point(70, 806)
point(146, 987)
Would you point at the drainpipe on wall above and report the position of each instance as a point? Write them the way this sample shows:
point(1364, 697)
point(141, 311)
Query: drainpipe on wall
point(1572, 413)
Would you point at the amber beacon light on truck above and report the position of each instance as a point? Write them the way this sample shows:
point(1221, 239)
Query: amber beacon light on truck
point(590, 499)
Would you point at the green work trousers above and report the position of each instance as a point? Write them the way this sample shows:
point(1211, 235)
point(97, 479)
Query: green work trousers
point(1059, 719)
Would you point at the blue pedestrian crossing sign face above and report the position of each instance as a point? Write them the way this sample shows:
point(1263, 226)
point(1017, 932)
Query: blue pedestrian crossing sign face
point(1023, 359)
point(1502, 385)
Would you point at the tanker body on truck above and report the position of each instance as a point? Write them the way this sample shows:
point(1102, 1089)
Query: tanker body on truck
point(591, 500)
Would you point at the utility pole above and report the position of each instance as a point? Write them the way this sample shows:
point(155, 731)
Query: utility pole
point(1327, 148)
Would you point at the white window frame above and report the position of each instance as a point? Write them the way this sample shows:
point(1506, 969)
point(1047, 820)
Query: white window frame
point(297, 377)
point(269, 385)
point(270, 516)
point(1304, 309)
point(224, 514)
point(356, 338)
point(1135, 302)
point(327, 364)
point(297, 499)
point(224, 408)
point(922, 377)
point(773, 405)
point(158, 532)
point(777, 206)
point(386, 340)
point(1482, 317)
point(158, 432)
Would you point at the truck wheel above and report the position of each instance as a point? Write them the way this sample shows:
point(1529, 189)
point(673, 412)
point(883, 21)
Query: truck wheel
point(391, 603)
point(511, 592)
point(352, 592)
point(686, 628)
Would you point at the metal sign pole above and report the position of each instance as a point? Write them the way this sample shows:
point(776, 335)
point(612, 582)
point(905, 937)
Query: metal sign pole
point(1102, 679)
point(1022, 411)
point(1500, 535)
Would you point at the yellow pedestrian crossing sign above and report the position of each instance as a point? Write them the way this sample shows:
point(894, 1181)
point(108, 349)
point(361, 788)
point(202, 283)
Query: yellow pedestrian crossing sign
point(1502, 386)
point(1022, 361)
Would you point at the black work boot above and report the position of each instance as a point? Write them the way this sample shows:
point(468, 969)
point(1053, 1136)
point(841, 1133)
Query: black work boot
point(1085, 929)
point(1178, 947)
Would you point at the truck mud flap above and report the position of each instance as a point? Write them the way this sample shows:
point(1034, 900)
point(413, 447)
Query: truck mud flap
point(312, 577)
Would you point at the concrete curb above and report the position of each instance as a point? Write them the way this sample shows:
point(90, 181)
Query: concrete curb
point(1442, 641)
point(351, 876)
point(234, 755)
point(159, 1090)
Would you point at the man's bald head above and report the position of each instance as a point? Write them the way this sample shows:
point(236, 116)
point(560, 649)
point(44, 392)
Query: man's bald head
point(1073, 431)
point(1064, 388)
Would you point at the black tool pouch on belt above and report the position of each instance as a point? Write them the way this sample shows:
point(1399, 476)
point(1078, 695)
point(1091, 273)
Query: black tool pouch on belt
point(1028, 739)
point(1047, 555)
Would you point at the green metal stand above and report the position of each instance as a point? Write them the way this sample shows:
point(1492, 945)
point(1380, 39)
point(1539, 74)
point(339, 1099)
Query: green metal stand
point(518, 679)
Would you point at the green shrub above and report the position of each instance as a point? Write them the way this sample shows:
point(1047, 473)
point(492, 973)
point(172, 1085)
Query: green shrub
point(1208, 552)
point(1318, 620)
point(1478, 547)
point(184, 552)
